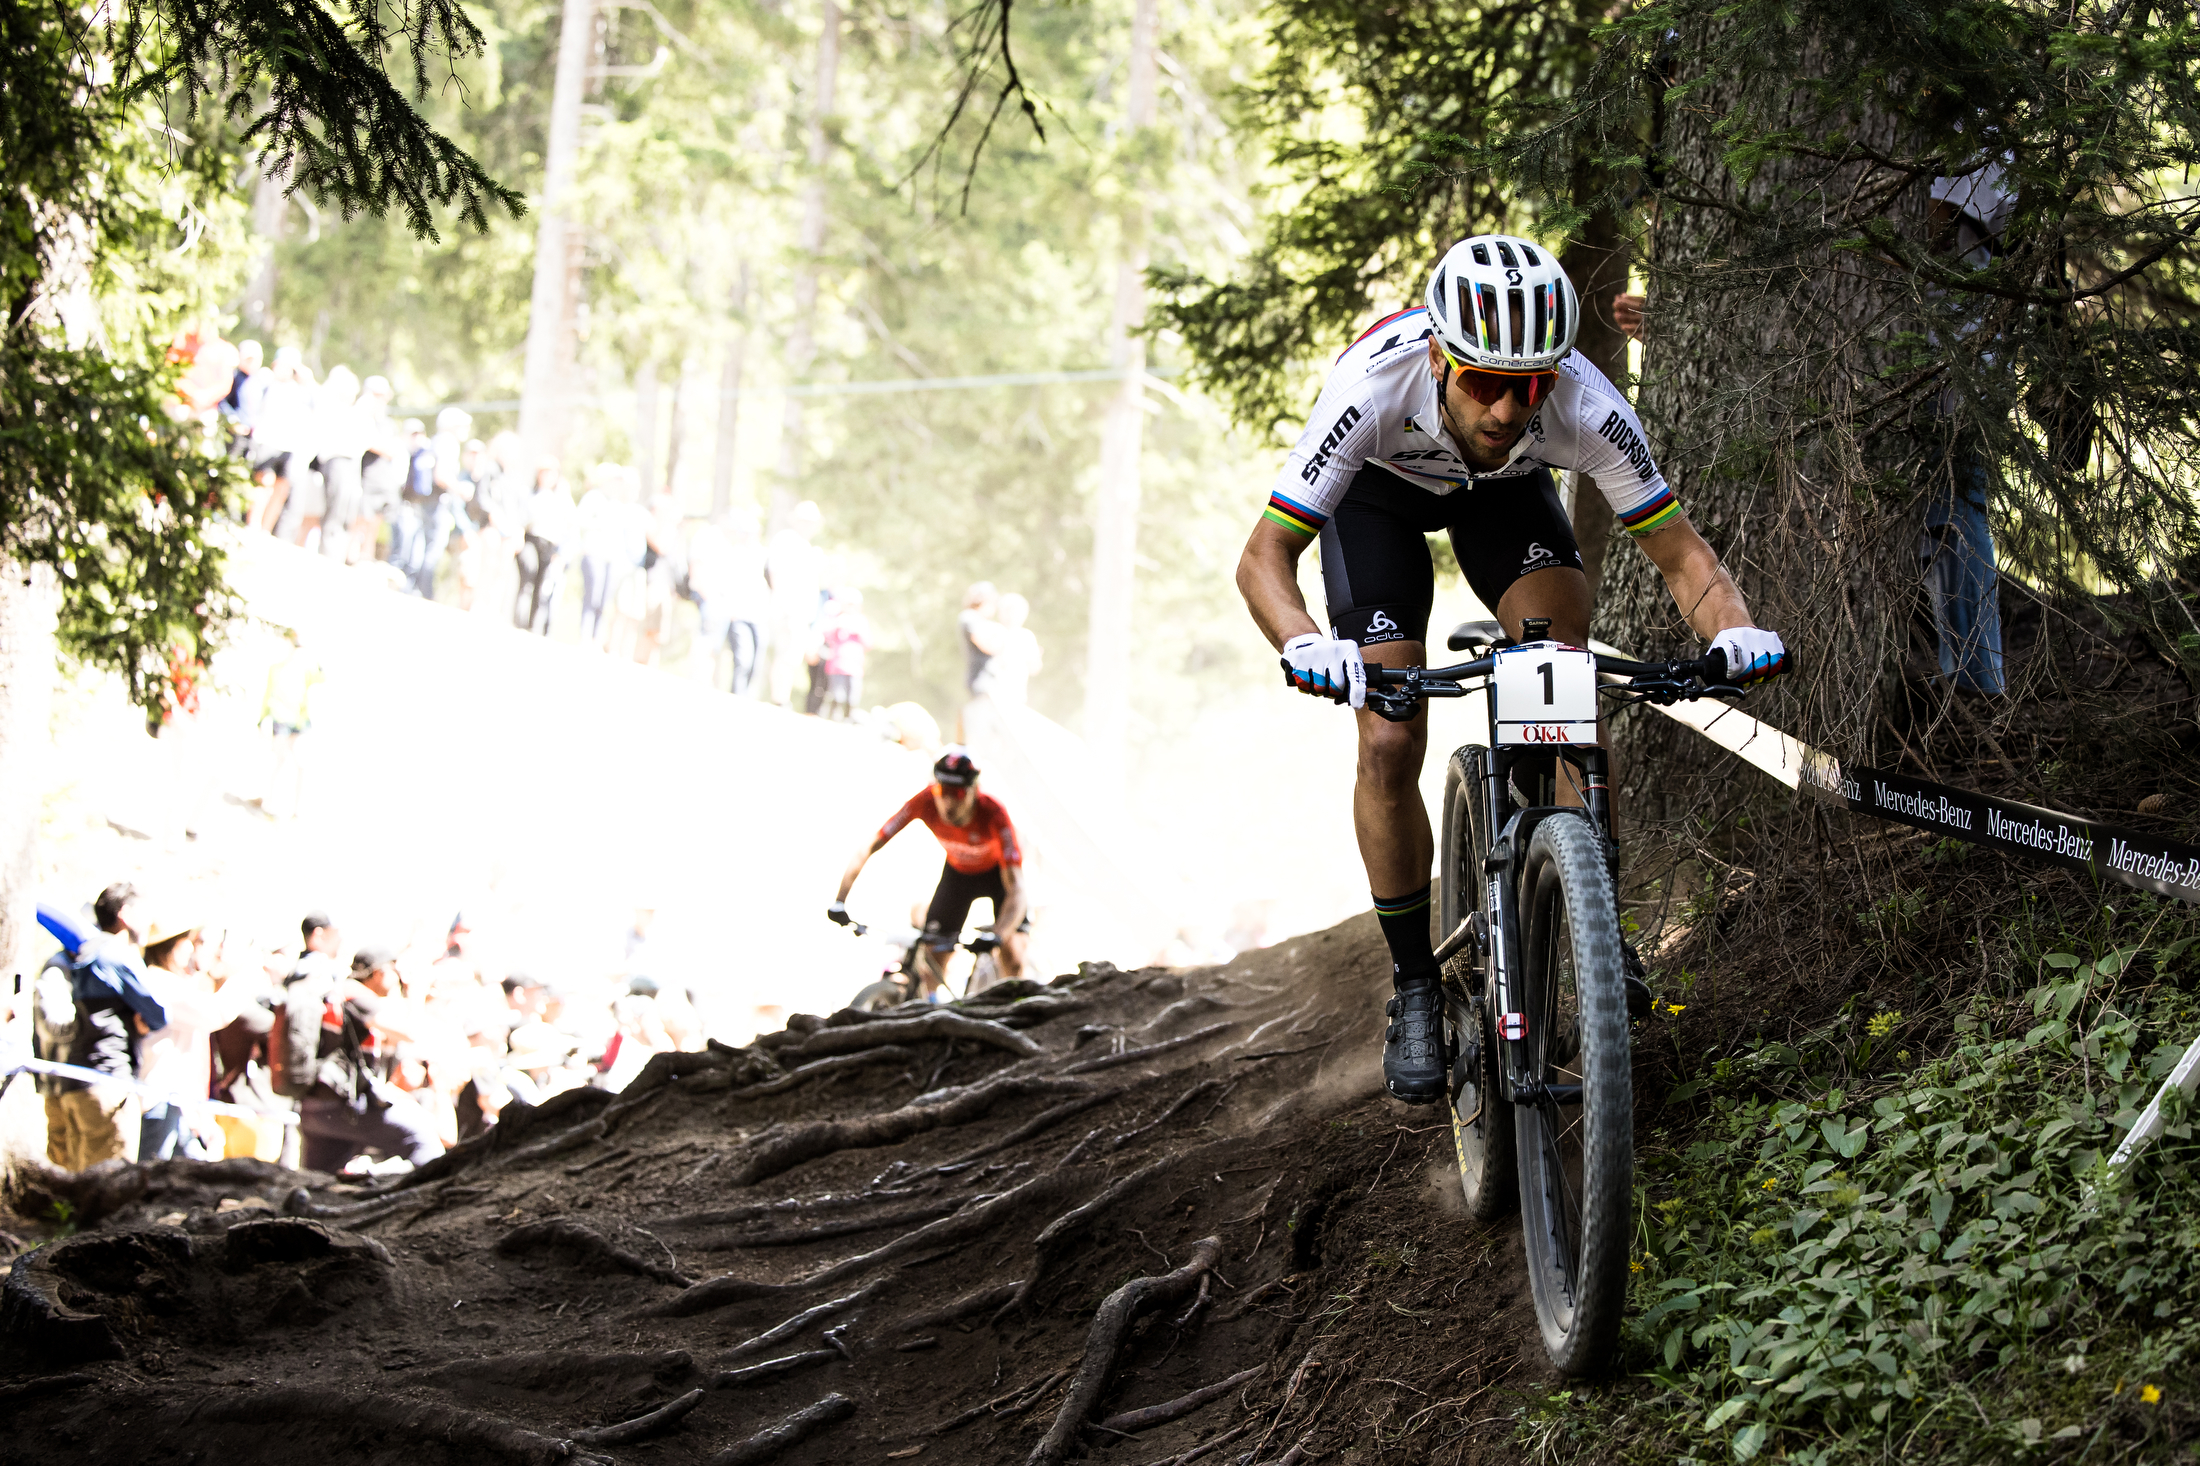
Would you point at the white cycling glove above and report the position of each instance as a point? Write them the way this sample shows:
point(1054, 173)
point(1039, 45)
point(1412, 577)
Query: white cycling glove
point(1751, 655)
point(1326, 667)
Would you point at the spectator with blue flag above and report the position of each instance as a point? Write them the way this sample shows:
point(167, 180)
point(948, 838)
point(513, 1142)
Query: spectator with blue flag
point(114, 1009)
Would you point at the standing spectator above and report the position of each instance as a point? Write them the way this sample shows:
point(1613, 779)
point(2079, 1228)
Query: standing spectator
point(346, 428)
point(847, 636)
point(114, 1009)
point(1006, 676)
point(794, 568)
point(656, 583)
point(241, 408)
point(551, 526)
point(409, 522)
point(53, 1028)
point(175, 1063)
point(286, 711)
point(353, 1107)
point(500, 517)
point(282, 441)
point(382, 470)
point(209, 370)
point(726, 577)
point(614, 539)
point(979, 633)
point(449, 510)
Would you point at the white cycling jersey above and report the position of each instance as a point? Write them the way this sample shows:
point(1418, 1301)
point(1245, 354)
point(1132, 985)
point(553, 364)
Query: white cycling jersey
point(1379, 406)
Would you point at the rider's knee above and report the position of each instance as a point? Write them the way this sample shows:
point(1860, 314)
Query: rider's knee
point(1391, 753)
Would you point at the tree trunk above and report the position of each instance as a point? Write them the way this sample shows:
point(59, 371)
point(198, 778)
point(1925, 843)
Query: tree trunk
point(729, 396)
point(645, 429)
point(1753, 335)
point(1122, 440)
point(29, 601)
point(1597, 263)
point(810, 244)
point(545, 407)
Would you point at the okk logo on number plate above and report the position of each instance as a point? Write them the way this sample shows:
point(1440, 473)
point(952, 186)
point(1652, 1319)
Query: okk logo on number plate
point(1546, 693)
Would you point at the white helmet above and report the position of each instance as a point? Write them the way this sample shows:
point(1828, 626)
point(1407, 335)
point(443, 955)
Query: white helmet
point(1502, 304)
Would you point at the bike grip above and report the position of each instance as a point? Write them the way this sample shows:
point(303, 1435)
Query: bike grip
point(1715, 659)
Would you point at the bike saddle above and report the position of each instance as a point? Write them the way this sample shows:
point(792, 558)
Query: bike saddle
point(1471, 636)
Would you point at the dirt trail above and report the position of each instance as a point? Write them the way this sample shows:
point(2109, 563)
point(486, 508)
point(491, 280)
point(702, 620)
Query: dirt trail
point(960, 1238)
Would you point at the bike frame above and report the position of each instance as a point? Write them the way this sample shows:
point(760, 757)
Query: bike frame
point(1502, 870)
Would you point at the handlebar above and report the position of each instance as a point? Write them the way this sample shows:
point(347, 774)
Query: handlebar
point(1662, 683)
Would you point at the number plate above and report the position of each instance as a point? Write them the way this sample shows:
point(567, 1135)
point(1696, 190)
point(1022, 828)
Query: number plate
point(1546, 693)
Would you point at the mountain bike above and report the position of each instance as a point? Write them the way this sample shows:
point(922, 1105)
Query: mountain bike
point(1534, 971)
point(898, 984)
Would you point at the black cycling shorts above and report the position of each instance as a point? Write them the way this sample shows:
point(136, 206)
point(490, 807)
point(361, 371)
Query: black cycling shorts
point(1376, 570)
point(950, 908)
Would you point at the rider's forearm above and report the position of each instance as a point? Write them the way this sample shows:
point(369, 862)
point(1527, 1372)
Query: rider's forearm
point(1268, 578)
point(855, 868)
point(1701, 588)
point(1010, 914)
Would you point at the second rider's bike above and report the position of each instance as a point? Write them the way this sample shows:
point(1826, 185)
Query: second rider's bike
point(1534, 971)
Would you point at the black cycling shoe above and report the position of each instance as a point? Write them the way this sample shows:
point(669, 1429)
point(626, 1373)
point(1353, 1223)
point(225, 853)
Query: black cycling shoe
point(1413, 1044)
point(1638, 986)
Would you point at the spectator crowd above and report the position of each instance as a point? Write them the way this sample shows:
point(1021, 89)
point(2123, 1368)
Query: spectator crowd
point(155, 1037)
point(484, 525)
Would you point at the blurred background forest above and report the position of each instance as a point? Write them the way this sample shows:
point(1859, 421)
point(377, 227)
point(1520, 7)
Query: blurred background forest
point(694, 173)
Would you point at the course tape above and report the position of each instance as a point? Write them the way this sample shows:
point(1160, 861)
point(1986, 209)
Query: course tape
point(2146, 862)
point(2165, 867)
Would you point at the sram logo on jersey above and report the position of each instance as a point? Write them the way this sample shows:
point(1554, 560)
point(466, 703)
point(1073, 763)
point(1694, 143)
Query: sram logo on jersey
point(1320, 460)
point(1629, 442)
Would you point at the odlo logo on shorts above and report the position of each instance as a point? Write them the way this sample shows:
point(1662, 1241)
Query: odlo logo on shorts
point(1381, 628)
point(1537, 555)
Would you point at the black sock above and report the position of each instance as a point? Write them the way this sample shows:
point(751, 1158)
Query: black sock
point(1405, 927)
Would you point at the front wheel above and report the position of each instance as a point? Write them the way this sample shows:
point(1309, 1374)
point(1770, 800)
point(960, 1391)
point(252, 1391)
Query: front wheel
point(1481, 1121)
point(1575, 1114)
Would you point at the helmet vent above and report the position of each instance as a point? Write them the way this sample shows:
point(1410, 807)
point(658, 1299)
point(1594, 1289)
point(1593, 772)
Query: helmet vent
point(1505, 254)
point(1529, 255)
point(1492, 332)
point(1481, 254)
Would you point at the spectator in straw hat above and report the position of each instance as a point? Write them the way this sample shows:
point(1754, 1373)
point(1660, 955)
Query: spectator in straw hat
point(175, 1062)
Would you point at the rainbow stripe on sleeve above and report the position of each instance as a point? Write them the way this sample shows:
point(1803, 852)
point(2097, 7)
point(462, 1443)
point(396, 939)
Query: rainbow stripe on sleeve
point(1653, 516)
point(1294, 516)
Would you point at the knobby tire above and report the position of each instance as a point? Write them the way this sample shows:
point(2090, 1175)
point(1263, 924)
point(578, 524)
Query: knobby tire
point(1482, 1124)
point(1576, 1161)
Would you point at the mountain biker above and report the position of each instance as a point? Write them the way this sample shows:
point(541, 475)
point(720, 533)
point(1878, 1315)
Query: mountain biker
point(983, 859)
point(1462, 435)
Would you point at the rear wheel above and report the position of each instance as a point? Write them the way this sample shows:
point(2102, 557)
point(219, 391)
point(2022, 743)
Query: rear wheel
point(1481, 1121)
point(1575, 1126)
point(879, 996)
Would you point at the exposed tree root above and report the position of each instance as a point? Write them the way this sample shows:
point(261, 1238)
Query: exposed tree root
point(1190, 1096)
point(889, 1054)
point(515, 1126)
point(754, 1374)
point(1015, 1402)
point(984, 1301)
point(798, 1323)
point(561, 1370)
point(588, 1249)
point(718, 1292)
point(380, 1416)
point(788, 1433)
point(1185, 1458)
point(793, 1146)
point(1063, 1227)
point(1108, 1328)
point(52, 1384)
point(1132, 1421)
point(938, 1024)
point(803, 1232)
point(727, 1216)
point(663, 1418)
point(1132, 1056)
point(952, 1230)
point(1041, 1121)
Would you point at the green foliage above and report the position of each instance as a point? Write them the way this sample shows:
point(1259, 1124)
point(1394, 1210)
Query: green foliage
point(1381, 120)
point(330, 118)
point(1924, 1263)
point(1788, 151)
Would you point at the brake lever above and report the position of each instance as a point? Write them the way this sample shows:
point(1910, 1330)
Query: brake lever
point(1395, 704)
